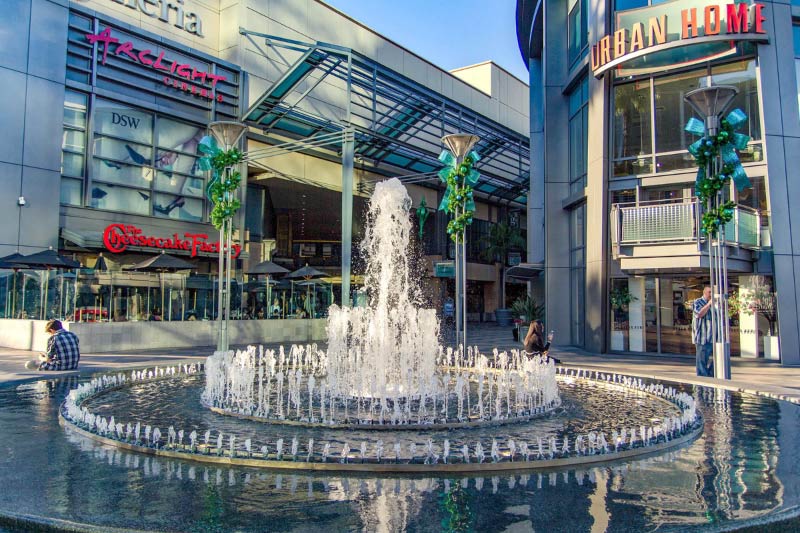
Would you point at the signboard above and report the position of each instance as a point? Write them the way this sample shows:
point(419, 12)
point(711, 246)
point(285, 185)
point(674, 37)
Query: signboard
point(514, 258)
point(168, 12)
point(676, 34)
point(182, 76)
point(117, 238)
point(444, 269)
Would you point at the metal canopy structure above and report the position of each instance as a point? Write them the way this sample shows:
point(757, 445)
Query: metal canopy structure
point(397, 123)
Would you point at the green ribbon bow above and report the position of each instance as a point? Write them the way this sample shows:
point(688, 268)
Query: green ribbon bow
point(724, 143)
point(460, 180)
point(208, 147)
point(422, 216)
point(217, 160)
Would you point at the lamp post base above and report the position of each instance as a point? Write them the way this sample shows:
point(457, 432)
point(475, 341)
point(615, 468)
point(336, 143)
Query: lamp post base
point(722, 360)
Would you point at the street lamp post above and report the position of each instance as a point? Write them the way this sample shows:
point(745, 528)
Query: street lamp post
point(710, 103)
point(460, 145)
point(227, 134)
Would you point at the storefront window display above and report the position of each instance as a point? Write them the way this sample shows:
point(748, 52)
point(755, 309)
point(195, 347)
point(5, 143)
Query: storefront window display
point(141, 163)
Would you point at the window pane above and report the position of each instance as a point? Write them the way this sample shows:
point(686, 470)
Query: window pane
point(574, 29)
point(74, 140)
point(672, 112)
point(179, 184)
point(71, 191)
point(665, 163)
point(742, 75)
point(178, 207)
point(124, 122)
point(71, 164)
point(117, 198)
point(124, 152)
point(632, 128)
point(75, 109)
point(796, 35)
point(122, 173)
point(170, 161)
point(178, 136)
point(621, 5)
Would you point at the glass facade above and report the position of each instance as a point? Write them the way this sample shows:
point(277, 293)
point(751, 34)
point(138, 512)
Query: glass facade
point(650, 115)
point(578, 135)
point(577, 273)
point(577, 30)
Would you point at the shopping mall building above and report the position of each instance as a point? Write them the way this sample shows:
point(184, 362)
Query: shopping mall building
point(608, 148)
point(106, 100)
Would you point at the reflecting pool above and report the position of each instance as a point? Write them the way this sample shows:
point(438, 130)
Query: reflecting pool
point(742, 470)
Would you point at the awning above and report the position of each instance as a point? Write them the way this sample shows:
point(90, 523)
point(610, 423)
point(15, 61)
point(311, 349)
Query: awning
point(525, 271)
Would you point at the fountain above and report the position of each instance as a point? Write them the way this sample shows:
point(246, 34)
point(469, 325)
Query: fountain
point(384, 366)
point(384, 371)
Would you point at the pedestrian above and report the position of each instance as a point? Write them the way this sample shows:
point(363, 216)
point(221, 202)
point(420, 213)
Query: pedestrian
point(62, 352)
point(535, 343)
point(703, 333)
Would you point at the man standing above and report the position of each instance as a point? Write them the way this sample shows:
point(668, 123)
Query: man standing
point(703, 333)
point(62, 349)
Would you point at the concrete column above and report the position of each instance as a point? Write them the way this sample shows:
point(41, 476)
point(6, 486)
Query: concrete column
point(597, 207)
point(636, 315)
point(748, 323)
point(778, 86)
point(536, 220)
point(348, 148)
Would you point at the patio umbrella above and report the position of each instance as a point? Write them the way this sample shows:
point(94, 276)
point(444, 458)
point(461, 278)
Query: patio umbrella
point(306, 273)
point(45, 260)
point(5, 263)
point(268, 268)
point(161, 263)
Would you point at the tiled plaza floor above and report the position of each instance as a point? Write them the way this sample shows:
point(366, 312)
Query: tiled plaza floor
point(747, 375)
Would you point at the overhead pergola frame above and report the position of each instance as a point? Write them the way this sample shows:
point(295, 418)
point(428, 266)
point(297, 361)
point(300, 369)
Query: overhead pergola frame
point(397, 123)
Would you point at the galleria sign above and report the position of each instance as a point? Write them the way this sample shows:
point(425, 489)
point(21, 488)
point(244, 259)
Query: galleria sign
point(167, 11)
point(676, 24)
point(117, 238)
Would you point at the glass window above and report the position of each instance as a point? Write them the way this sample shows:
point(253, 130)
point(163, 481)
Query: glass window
point(621, 5)
point(123, 122)
point(632, 129)
point(122, 151)
point(577, 273)
point(672, 112)
point(121, 173)
point(179, 184)
point(73, 145)
point(742, 75)
point(178, 136)
point(578, 136)
point(71, 191)
point(178, 207)
point(577, 28)
point(116, 198)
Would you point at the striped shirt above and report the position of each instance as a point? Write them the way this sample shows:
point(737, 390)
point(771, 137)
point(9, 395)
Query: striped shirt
point(62, 351)
point(702, 332)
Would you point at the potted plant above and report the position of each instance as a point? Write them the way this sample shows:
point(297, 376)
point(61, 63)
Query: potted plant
point(620, 298)
point(762, 301)
point(502, 238)
point(528, 310)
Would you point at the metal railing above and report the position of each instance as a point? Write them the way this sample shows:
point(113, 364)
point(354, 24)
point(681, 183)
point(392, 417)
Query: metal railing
point(671, 222)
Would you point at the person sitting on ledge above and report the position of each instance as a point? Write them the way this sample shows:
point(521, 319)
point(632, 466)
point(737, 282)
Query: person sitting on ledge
point(62, 353)
point(535, 343)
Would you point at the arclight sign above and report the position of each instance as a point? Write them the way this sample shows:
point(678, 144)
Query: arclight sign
point(657, 36)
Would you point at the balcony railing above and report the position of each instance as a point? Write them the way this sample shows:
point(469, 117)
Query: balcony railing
point(668, 222)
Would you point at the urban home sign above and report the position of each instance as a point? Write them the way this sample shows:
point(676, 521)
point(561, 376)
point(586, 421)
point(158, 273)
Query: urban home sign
point(675, 34)
point(181, 76)
point(117, 238)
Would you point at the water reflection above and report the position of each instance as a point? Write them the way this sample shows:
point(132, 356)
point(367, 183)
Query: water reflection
point(743, 467)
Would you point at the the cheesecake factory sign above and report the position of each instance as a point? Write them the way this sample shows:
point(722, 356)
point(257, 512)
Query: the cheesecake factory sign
point(679, 33)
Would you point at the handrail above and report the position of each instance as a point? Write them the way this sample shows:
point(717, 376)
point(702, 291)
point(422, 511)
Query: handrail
point(663, 222)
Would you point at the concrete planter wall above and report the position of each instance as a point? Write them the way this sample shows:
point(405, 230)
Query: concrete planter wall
point(124, 336)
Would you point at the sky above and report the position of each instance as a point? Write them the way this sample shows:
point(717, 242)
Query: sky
point(484, 30)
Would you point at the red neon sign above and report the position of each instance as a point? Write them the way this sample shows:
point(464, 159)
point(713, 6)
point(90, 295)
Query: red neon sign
point(147, 58)
point(117, 238)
